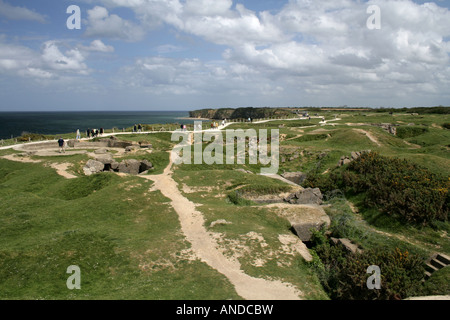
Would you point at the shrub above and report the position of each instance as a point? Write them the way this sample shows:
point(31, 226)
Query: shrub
point(344, 275)
point(401, 275)
point(396, 187)
point(31, 137)
point(446, 125)
point(399, 188)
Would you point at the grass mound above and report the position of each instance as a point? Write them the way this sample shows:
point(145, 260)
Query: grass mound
point(84, 186)
point(406, 132)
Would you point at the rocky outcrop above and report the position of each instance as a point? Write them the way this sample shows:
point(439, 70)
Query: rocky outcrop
point(145, 165)
point(92, 167)
point(353, 156)
point(130, 166)
point(303, 218)
point(305, 196)
point(304, 230)
point(347, 244)
point(296, 177)
point(107, 163)
point(391, 128)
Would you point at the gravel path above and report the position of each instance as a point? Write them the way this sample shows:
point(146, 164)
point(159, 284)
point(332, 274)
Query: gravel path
point(206, 248)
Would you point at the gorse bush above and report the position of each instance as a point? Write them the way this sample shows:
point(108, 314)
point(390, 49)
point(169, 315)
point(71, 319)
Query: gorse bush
point(399, 188)
point(344, 275)
point(31, 137)
point(396, 187)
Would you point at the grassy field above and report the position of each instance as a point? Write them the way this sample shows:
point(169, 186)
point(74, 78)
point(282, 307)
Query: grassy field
point(127, 239)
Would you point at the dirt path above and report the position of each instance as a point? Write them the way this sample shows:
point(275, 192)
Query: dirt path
point(414, 146)
point(206, 247)
point(369, 135)
point(61, 169)
point(12, 157)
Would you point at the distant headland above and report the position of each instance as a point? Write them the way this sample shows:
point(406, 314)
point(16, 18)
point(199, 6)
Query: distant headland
point(268, 112)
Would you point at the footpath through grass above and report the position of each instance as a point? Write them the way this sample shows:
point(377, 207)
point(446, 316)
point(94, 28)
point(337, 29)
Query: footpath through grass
point(125, 239)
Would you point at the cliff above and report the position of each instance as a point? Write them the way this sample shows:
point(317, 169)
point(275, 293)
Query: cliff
point(239, 113)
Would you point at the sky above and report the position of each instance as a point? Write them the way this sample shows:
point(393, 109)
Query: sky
point(194, 54)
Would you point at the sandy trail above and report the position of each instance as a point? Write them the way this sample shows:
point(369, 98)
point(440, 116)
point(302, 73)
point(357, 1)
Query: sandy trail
point(206, 247)
point(369, 135)
point(13, 157)
point(61, 169)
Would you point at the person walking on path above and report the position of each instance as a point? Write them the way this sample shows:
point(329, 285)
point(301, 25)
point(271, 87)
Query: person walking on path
point(78, 135)
point(61, 144)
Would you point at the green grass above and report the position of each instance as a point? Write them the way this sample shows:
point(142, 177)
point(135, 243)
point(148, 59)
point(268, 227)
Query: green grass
point(126, 240)
point(245, 220)
point(438, 284)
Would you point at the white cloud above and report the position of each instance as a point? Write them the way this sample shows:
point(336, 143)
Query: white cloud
point(318, 51)
point(49, 63)
point(98, 46)
point(208, 7)
point(70, 61)
point(102, 24)
point(19, 13)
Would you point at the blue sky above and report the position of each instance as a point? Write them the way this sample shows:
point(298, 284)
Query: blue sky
point(190, 54)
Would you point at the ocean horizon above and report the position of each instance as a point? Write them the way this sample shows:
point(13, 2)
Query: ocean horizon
point(15, 123)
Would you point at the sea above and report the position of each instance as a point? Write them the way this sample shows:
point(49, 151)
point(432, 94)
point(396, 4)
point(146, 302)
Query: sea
point(14, 124)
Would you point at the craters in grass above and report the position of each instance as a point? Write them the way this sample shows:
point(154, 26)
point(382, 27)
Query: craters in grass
point(84, 186)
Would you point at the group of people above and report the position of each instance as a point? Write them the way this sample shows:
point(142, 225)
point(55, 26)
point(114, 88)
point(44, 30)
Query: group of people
point(92, 133)
point(215, 125)
point(137, 128)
